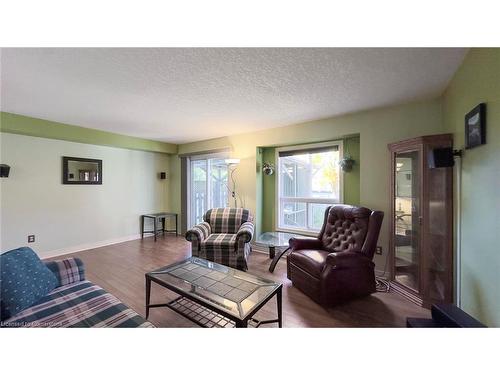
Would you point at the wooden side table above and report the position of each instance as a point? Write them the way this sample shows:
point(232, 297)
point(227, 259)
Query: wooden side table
point(156, 217)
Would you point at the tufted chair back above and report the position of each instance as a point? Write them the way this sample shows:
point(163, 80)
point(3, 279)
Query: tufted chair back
point(351, 228)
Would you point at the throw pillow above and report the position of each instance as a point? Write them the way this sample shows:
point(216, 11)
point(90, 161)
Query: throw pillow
point(24, 279)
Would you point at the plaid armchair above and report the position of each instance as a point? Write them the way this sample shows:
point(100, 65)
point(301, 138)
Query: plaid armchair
point(223, 237)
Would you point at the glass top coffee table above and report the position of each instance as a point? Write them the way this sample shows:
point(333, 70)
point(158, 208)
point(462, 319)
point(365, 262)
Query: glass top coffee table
point(274, 240)
point(213, 295)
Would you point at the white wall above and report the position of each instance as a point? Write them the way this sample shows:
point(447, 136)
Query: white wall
point(73, 217)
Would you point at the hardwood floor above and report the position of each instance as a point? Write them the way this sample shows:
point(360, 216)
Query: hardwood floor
point(120, 270)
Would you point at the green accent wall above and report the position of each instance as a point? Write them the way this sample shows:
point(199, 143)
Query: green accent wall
point(268, 183)
point(268, 213)
point(24, 125)
point(259, 196)
point(476, 81)
point(351, 179)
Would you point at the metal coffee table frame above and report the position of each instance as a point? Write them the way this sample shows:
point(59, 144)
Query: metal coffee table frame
point(239, 323)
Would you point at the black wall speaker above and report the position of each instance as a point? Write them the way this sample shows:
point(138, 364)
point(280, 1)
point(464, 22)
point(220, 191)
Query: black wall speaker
point(163, 175)
point(4, 170)
point(441, 158)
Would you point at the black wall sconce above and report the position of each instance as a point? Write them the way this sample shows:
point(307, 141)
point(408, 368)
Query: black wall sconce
point(162, 175)
point(4, 170)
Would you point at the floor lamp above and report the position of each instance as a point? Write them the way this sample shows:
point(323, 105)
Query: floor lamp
point(232, 164)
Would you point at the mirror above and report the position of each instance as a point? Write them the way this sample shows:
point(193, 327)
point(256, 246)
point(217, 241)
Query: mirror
point(81, 171)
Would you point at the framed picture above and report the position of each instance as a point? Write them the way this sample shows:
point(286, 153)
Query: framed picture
point(475, 126)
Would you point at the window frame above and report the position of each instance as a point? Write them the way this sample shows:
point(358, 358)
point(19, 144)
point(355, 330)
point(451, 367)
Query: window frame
point(279, 200)
point(190, 159)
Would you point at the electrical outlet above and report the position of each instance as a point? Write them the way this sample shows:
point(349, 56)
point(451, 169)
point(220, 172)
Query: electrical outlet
point(378, 250)
point(31, 238)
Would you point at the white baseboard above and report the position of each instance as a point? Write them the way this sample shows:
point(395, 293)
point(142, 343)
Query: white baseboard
point(89, 246)
point(260, 248)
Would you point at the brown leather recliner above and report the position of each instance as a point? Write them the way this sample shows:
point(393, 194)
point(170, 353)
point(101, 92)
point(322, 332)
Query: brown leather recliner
point(337, 266)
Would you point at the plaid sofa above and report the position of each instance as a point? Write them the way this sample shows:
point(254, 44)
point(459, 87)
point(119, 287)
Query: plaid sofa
point(223, 237)
point(76, 302)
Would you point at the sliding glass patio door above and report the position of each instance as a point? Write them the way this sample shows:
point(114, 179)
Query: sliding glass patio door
point(207, 186)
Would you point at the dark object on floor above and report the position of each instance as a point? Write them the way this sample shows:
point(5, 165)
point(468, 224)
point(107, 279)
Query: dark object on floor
point(223, 237)
point(445, 315)
point(337, 266)
point(158, 216)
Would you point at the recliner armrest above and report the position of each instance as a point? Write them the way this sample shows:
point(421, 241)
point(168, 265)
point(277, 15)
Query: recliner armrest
point(305, 243)
point(347, 259)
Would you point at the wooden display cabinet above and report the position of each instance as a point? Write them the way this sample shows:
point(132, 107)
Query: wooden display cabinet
point(421, 222)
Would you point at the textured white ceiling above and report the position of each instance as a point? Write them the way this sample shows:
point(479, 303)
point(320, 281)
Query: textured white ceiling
point(183, 95)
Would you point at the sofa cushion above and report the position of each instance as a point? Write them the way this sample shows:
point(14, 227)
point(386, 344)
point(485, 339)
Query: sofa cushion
point(311, 261)
point(24, 279)
point(222, 241)
point(220, 248)
point(80, 304)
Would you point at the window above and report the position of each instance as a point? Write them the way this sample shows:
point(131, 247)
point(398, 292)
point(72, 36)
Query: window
point(309, 180)
point(207, 185)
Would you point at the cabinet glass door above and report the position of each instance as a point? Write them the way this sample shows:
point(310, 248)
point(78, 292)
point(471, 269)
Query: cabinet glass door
point(407, 219)
point(438, 269)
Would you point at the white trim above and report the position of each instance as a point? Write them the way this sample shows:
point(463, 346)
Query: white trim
point(309, 200)
point(207, 157)
point(308, 146)
point(216, 155)
point(278, 227)
point(206, 152)
point(89, 246)
point(259, 248)
point(299, 231)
